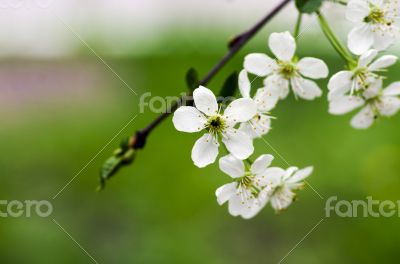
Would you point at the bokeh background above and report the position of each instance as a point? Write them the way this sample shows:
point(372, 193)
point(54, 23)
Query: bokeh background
point(63, 112)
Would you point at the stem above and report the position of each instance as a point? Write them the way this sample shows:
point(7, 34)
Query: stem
point(234, 46)
point(298, 25)
point(335, 42)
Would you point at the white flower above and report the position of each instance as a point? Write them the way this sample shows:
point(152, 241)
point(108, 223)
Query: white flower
point(265, 100)
point(205, 116)
point(375, 101)
point(375, 24)
point(286, 70)
point(247, 194)
point(361, 77)
point(282, 194)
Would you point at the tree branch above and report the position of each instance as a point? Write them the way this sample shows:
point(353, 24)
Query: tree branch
point(139, 140)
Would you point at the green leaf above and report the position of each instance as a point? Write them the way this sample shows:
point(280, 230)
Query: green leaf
point(230, 86)
point(109, 168)
point(122, 156)
point(308, 6)
point(192, 79)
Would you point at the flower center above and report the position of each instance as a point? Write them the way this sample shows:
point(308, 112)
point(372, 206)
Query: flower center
point(215, 124)
point(247, 182)
point(376, 16)
point(373, 100)
point(287, 69)
point(363, 77)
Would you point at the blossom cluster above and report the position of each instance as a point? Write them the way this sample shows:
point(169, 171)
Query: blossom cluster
point(361, 85)
point(238, 124)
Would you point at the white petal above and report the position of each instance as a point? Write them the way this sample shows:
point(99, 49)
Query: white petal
point(289, 172)
point(392, 7)
point(383, 40)
point(392, 90)
point(339, 84)
point(188, 119)
point(205, 101)
point(205, 151)
point(267, 98)
point(376, 2)
point(257, 127)
point(270, 177)
point(357, 10)
point(225, 192)
point(366, 58)
point(300, 175)
point(248, 129)
point(340, 81)
point(280, 84)
point(313, 68)
point(373, 89)
point(240, 110)
point(259, 64)
point(255, 209)
point(344, 104)
point(282, 199)
point(238, 143)
point(232, 166)
point(363, 119)
point(244, 84)
point(261, 164)
point(388, 105)
point(360, 39)
point(305, 89)
point(258, 205)
point(383, 62)
point(237, 206)
point(282, 45)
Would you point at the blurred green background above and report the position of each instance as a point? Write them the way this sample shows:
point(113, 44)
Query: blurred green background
point(57, 120)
